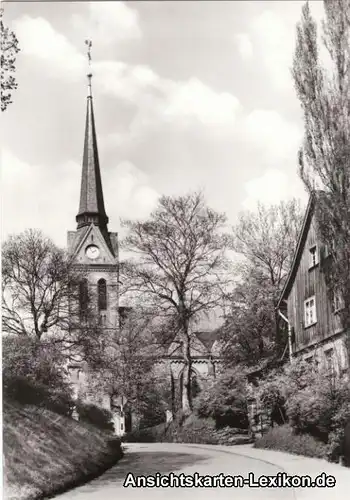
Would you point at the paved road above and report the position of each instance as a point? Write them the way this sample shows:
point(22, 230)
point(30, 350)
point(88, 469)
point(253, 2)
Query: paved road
point(164, 458)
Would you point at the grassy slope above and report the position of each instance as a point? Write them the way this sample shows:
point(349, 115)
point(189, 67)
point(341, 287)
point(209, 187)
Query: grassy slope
point(45, 452)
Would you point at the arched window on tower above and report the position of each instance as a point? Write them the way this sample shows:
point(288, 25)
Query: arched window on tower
point(83, 298)
point(102, 295)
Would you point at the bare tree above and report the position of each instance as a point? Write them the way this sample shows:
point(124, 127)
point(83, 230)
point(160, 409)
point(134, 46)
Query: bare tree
point(266, 239)
point(9, 49)
point(325, 155)
point(181, 266)
point(40, 295)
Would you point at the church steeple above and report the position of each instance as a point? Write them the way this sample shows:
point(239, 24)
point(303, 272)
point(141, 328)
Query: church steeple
point(91, 207)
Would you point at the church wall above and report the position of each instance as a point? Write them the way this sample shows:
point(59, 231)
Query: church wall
point(111, 278)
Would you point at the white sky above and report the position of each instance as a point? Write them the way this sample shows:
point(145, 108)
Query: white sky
point(187, 95)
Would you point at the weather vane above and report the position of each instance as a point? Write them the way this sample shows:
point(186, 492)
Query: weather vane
point(88, 43)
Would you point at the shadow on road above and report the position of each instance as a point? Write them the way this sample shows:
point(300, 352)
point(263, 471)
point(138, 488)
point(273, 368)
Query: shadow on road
point(146, 464)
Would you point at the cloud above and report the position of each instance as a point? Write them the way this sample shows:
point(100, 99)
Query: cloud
point(193, 99)
point(108, 22)
point(157, 99)
point(274, 40)
point(271, 188)
point(38, 38)
point(161, 99)
point(244, 45)
point(276, 138)
point(129, 187)
point(123, 80)
point(273, 34)
point(41, 189)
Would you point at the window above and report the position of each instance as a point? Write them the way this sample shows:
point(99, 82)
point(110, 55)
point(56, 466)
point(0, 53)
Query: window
point(83, 298)
point(338, 301)
point(313, 254)
point(329, 361)
point(310, 311)
point(102, 295)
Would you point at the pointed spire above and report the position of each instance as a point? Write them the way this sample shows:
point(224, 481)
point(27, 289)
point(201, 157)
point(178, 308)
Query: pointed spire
point(91, 208)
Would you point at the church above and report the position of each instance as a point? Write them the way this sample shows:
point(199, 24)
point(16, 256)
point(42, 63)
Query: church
point(94, 249)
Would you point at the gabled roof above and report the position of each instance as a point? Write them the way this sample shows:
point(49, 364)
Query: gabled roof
point(201, 343)
point(299, 250)
point(207, 338)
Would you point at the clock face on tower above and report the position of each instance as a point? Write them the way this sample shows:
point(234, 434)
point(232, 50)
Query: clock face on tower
point(92, 252)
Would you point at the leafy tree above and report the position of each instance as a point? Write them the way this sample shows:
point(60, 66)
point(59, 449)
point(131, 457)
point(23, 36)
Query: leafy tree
point(265, 240)
point(180, 266)
point(9, 49)
point(324, 158)
point(247, 330)
point(124, 369)
point(224, 400)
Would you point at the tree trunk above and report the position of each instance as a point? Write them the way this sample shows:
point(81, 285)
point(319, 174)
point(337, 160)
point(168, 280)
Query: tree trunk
point(186, 379)
point(173, 400)
point(186, 353)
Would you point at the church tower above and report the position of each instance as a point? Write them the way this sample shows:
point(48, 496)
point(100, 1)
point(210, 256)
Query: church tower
point(93, 248)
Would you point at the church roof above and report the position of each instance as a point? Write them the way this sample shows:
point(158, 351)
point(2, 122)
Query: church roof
point(91, 207)
point(207, 338)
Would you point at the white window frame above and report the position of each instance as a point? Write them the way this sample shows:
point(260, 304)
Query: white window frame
point(310, 319)
point(313, 256)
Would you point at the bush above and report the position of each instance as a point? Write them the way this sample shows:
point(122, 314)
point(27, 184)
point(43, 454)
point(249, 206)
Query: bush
point(315, 404)
point(156, 434)
point(197, 431)
point(40, 363)
point(320, 409)
point(280, 385)
point(283, 438)
point(337, 438)
point(27, 392)
point(192, 430)
point(224, 400)
point(92, 414)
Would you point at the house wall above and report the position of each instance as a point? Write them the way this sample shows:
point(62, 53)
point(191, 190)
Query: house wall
point(317, 354)
point(309, 282)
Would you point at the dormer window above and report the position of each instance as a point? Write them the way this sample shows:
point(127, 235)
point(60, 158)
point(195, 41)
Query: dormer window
point(310, 311)
point(313, 256)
